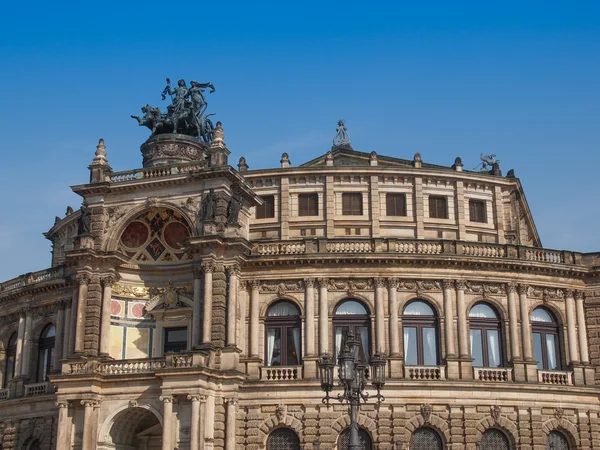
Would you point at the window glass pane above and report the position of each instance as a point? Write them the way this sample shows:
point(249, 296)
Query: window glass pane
point(410, 346)
point(49, 332)
point(429, 347)
point(351, 307)
point(352, 204)
point(274, 347)
point(341, 335)
point(395, 204)
point(493, 344)
point(176, 334)
point(551, 351)
point(308, 205)
point(363, 337)
point(476, 348)
point(481, 310)
point(283, 309)
point(541, 315)
point(175, 339)
point(267, 209)
point(293, 346)
point(418, 309)
point(477, 211)
point(13, 340)
point(537, 350)
point(437, 207)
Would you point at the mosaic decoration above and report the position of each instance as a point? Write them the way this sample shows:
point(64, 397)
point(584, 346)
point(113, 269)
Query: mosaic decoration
point(156, 236)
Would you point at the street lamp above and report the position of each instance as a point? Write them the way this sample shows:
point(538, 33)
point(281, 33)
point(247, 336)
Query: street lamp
point(352, 378)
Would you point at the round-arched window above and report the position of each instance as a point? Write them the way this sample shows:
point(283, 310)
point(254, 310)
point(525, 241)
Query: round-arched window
point(283, 439)
point(283, 338)
point(46, 352)
point(494, 439)
point(544, 333)
point(352, 315)
point(11, 357)
point(364, 440)
point(557, 441)
point(420, 326)
point(486, 334)
point(425, 439)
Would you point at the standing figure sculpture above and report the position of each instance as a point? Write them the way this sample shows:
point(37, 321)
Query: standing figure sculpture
point(208, 206)
point(341, 137)
point(84, 224)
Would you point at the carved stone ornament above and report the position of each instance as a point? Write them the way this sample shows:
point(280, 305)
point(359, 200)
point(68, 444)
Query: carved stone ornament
point(130, 291)
point(133, 403)
point(511, 287)
point(350, 285)
point(559, 413)
point(281, 287)
point(309, 282)
point(485, 289)
point(495, 412)
point(426, 410)
point(111, 216)
point(173, 149)
point(281, 411)
point(420, 286)
point(169, 297)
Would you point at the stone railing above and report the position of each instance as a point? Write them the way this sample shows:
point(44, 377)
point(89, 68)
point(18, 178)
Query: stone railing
point(483, 250)
point(33, 278)
point(135, 366)
point(4, 394)
point(541, 255)
point(421, 248)
point(280, 373)
point(425, 372)
point(495, 374)
point(131, 366)
point(154, 172)
point(335, 246)
point(35, 389)
point(280, 248)
point(555, 377)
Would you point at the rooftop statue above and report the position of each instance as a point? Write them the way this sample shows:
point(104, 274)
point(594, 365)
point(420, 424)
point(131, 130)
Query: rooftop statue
point(185, 115)
point(487, 160)
point(341, 137)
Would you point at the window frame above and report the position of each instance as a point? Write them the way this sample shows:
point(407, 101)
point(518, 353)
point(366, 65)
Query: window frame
point(395, 196)
point(10, 366)
point(433, 210)
point(351, 209)
point(420, 322)
point(172, 345)
point(426, 429)
point(284, 430)
point(309, 198)
point(364, 439)
point(498, 431)
point(354, 322)
point(267, 209)
point(473, 214)
point(544, 329)
point(46, 354)
point(283, 323)
point(484, 324)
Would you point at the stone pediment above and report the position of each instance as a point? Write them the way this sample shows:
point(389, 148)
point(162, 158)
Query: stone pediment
point(345, 156)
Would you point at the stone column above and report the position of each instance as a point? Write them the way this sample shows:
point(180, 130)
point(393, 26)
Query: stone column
point(230, 424)
point(195, 422)
point(582, 328)
point(525, 325)
point(197, 313)
point(394, 325)
point(83, 280)
point(167, 421)
point(107, 283)
point(449, 318)
point(242, 298)
point(233, 272)
point(207, 268)
point(323, 316)
point(379, 315)
point(20, 339)
point(209, 422)
point(59, 340)
point(511, 291)
point(67, 331)
point(89, 425)
point(309, 319)
point(27, 343)
point(73, 322)
point(254, 320)
point(202, 429)
point(571, 327)
point(63, 438)
point(463, 330)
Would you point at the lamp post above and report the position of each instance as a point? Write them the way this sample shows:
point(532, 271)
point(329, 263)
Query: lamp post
point(352, 378)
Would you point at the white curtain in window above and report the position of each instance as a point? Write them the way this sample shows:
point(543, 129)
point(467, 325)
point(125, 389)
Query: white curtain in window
point(429, 347)
point(407, 343)
point(339, 334)
point(551, 351)
point(493, 348)
point(271, 334)
point(364, 340)
point(296, 336)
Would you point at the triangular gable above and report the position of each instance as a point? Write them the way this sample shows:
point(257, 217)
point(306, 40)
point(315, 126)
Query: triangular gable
point(346, 156)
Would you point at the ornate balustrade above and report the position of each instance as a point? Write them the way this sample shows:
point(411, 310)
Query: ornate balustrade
point(33, 278)
point(555, 377)
point(342, 246)
point(4, 394)
point(131, 366)
point(135, 366)
point(280, 248)
point(154, 172)
point(280, 373)
point(493, 374)
point(35, 389)
point(425, 372)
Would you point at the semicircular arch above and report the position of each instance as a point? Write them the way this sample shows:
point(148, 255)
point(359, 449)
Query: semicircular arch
point(271, 423)
point(501, 423)
point(565, 427)
point(354, 298)
point(434, 422)
point(280, 298)
point(108, 423)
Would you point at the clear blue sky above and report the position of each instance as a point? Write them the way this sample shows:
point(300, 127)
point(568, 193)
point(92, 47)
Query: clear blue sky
point(446, 79)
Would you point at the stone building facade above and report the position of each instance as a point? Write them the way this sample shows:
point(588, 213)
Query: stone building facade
point(187, 304)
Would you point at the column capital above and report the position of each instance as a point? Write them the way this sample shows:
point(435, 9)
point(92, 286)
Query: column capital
point(379, 282)
point(82, 278)
point(233, 269)
point(523, 288)
point(461, 285)
point(194, 397)
point(255, 284)
point(323, 282)
point(309, 282)
point(393, 282)
point(62, 304)
point(208, 267)
point(568, 293)
point(230, 401)
point(62, 404)
point(511, 287)
point(448, 284)
point(242, 284)
point(579, 295)
point(166, 398)
point(88, 402)
point(108, 280)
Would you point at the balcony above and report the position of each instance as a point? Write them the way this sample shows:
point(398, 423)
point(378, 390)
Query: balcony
point(425, 372)
point(4, 394)
point(135, 366)
point(281, 373)
point(37, 389)
point(492, 374)
point(556, 377)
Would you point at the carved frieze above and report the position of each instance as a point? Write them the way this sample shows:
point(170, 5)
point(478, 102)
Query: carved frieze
point(546, 294)
point(112, 215)
point(281, 287)
point(485, 289)
point(420, 286)
point(124, 290)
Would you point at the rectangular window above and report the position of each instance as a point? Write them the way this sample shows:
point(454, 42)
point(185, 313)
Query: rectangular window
point(493, 342)
point(438, 208)
point(395, 204)
point(410, 346)
point(477, 211)
point(308, 205)
point(175, 340)
point(476, 348)
point(537, 350)
point(352, 204)
point(429, 347)
point(267, 209)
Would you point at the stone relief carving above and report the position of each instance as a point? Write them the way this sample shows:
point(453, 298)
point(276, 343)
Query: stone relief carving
point(486, 289)
point(426, 411)
point(495, 412)
point(281, 287)
point(130, 291)
point(112, 215)
point(280, 412)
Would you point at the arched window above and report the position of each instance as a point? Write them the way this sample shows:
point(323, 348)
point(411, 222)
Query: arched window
point(486, 336)
point(544, 330)
point(282, 326)
point(425, 439)
point(557, 441)
point(46, 352)
point(11, 358)
point(420, 325)
point(352, 314)
point(364, 440)
point(283, 439)
point(494, 439)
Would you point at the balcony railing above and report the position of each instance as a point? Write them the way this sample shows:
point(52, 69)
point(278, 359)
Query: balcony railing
point(425, 372)
point(132, 366)
point(493, 374)
point(32, 278)
point(154, 172)
point(36, 389)
point(135, 366)
point(281, 373)
point(555, 377)
point(4, 394)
